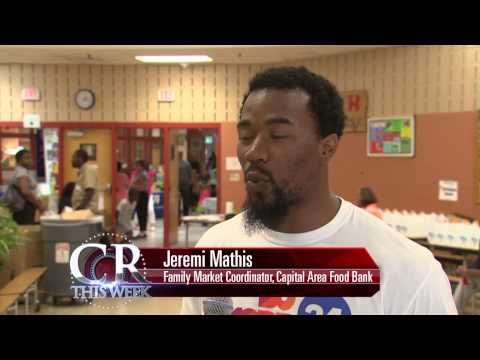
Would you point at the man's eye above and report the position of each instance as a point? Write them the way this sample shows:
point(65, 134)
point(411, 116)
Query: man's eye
point(279, 136)
point(245, 138)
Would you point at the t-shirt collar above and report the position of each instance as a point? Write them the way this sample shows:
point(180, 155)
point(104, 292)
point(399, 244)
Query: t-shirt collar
point(314, 236)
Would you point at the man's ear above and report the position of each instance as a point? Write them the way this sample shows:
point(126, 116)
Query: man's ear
point(328, 146)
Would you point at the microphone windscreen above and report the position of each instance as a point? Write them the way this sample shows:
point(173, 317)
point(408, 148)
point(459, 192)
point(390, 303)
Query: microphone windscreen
point(218, 306)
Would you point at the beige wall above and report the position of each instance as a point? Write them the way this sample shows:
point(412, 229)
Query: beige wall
point(405, 80)
point(409, 80)
point(204, 93)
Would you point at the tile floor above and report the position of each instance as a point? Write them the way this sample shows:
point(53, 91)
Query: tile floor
point(155, 235)
point(141, 306)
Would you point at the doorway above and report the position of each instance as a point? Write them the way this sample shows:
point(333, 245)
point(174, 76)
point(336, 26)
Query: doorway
point(121, 143)
point(145, 144)
point(192, 150)
point(43, 146)
point(98, 144)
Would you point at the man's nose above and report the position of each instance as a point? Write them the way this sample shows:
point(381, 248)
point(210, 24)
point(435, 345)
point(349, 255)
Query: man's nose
point(257, 151)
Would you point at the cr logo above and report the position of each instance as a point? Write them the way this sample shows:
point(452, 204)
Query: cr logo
point(120, 266)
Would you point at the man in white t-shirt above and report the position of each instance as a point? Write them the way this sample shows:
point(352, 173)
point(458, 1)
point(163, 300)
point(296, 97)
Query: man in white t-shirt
point(289, 129)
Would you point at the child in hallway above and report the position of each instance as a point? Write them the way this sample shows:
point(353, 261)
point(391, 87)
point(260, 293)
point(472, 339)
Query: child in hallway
point(204, 193)
point(125, 210)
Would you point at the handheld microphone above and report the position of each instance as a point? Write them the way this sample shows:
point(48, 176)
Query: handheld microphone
point(218, 306)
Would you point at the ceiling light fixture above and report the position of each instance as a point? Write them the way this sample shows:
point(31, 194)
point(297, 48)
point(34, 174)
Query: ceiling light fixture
point(174, 59)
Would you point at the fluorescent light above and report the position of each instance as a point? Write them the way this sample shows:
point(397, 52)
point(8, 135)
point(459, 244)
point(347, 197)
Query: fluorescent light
point(174, 59)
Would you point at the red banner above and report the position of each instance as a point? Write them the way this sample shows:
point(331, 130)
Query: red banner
point(299, 272)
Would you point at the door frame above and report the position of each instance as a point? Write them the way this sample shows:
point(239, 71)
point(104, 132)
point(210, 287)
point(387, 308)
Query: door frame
point(167, 154)
point(113, 126)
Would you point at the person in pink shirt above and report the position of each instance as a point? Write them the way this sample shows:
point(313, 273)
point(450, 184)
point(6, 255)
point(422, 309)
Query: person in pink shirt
point(151, 179)
point(204, 194)
point(123, 183)
point(368, 202)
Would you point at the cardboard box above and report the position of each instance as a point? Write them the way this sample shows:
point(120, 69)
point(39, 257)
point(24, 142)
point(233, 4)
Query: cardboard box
point(30, 246)
point(6, 272)
point(14, 265)
point(7, 268)
point(18, 258)
point(28, 252)
point(77, 215)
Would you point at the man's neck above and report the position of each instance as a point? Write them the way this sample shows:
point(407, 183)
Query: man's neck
point(310, 216)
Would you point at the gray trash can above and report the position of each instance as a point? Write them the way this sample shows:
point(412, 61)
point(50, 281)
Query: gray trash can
point(60, 239)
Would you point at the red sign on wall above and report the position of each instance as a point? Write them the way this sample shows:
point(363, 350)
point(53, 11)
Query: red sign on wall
point(355, 105)
point(166, 95)
point(30, 94)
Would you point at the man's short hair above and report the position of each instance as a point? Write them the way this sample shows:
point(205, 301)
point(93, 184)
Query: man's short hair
point(325, 103)
point(367, 197)
point(82, 154)
point(19, 155)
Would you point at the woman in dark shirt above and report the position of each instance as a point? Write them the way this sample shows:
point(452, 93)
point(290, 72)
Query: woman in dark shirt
point(26, 186)
point(140, 183)
point(66, 199)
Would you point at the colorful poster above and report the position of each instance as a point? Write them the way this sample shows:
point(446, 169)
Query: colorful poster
point(51, 155)
point(392, 136)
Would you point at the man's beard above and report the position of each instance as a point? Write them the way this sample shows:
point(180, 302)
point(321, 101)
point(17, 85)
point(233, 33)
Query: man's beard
point(259, 215)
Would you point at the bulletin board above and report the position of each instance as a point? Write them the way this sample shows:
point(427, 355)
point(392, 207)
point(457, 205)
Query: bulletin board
point(391, 136)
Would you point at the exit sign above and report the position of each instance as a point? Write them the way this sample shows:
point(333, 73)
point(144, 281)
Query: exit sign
point(166, 95)
point(31, 94)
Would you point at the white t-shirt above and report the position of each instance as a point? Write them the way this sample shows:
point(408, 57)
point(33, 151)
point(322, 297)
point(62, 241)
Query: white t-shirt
point(125, 213)
point(412, 280)
point(21, 171)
